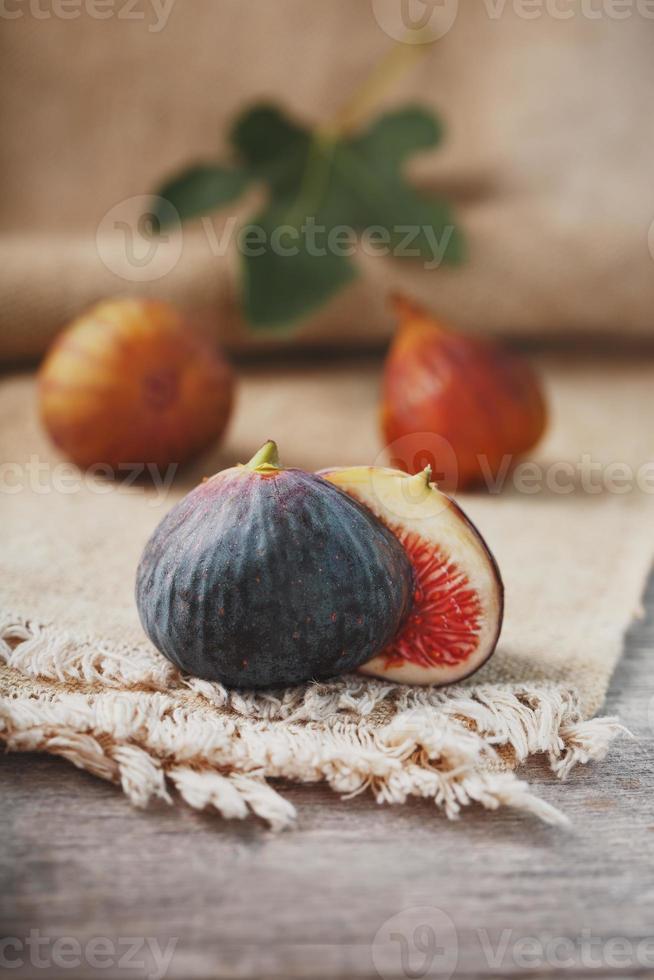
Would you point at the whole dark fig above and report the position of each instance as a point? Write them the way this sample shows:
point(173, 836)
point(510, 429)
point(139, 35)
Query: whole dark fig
point(264, 576)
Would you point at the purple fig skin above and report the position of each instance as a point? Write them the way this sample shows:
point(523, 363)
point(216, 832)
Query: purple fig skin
point(267, 577)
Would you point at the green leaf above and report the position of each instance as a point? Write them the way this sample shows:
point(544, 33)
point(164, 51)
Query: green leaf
point(368, 173)
point(417, 226)
point(198, 190)
point(262, 133)
point(293, 273)
point(272, 146)
point(393, 137)
point(321, 181)
point(423, 228)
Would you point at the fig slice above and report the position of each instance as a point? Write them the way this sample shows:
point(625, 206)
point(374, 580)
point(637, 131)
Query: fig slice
point(458, 596)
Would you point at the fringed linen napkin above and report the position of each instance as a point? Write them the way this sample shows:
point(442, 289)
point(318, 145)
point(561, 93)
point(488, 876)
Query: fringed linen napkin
point(571, 536)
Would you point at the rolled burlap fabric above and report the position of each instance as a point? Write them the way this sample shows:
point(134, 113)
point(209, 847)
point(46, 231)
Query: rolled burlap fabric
point(547, 158)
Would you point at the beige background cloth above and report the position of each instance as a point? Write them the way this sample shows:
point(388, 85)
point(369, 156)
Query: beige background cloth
point(548, 158)
point(81, 679)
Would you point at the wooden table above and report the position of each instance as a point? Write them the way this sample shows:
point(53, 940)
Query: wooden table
point(492, 895)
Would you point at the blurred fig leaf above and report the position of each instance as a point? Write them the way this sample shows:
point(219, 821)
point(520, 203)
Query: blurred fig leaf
point(198, 191)
point(419, 226)
point(294, 272)
point(272, 146)
point(326, 190)
point(394, 136)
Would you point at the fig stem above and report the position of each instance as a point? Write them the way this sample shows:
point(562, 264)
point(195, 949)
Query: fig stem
point(421, 479)
point(266, 458)
point(409, 313)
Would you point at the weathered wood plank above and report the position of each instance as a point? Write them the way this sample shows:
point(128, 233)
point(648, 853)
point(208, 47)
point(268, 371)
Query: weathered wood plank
point(77, 861)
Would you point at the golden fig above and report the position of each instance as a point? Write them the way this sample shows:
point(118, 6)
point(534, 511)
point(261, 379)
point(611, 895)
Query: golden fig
point(466, 406)
point(131, 381)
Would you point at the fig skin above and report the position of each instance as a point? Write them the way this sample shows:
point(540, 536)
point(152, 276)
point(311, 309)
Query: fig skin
point(458, 604)
point(476, 397)
point(263, 577)
point(131, 381)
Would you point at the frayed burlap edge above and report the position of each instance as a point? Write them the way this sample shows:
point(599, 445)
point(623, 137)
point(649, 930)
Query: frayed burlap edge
point(129, 716)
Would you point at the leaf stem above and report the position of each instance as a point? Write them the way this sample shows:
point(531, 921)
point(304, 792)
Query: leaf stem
point(315, 179)
point(395, 63)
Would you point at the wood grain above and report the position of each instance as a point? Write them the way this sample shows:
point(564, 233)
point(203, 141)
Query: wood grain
point(77, 861)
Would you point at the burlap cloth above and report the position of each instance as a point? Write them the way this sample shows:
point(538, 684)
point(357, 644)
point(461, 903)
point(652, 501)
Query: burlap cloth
point(547, 161)
point(81, 681)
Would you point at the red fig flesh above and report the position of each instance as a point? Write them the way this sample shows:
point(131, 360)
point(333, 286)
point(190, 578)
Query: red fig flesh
point(458, 597)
